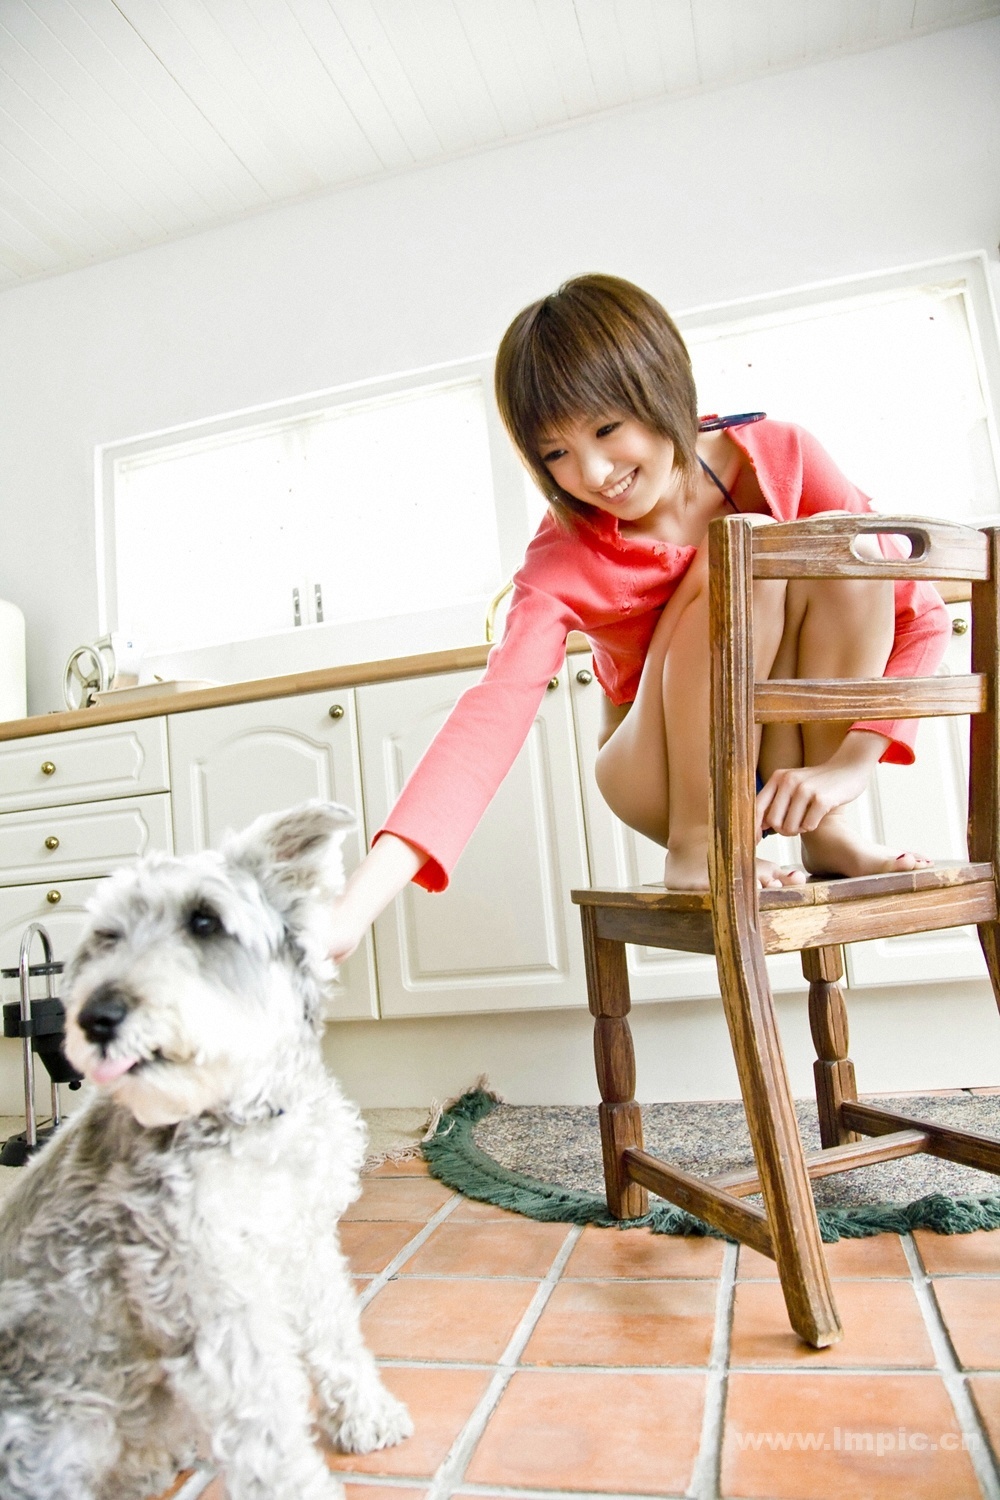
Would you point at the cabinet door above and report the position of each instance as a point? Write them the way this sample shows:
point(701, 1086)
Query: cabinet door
point(924, 807)
point(619, 857)
point(505, 935)
point(228, 765)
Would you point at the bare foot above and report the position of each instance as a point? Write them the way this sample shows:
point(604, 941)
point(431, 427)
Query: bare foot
point(835, 849)
point(686, 869)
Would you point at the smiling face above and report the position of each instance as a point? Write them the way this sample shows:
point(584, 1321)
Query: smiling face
point(602, 347)
point(615, 464)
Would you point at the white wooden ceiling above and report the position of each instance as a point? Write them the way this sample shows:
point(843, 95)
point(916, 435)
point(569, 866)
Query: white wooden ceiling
point(128, 122)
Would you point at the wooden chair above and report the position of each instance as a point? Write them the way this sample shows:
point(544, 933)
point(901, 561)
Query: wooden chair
point(741, 924)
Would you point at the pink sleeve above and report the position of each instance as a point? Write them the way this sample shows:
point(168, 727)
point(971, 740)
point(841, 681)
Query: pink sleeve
point(923, 625)
point(462, 768)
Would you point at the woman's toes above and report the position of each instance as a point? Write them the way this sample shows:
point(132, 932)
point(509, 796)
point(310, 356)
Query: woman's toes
point(911, 861)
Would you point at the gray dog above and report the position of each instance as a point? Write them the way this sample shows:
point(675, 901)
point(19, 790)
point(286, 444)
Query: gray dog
point(170, 1277)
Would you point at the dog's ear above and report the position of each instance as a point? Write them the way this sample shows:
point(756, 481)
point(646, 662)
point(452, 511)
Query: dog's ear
point(302, 846)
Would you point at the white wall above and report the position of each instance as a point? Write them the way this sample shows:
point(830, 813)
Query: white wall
point(855, 165)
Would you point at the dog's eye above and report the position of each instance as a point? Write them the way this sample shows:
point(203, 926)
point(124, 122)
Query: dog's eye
point(105, 938)
point(203, 922)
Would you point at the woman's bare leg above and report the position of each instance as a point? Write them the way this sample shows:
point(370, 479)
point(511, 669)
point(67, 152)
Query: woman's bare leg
point(836, 628)
point(653, 771)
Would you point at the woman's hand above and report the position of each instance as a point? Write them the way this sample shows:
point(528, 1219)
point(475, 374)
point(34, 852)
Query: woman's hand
point(345, 930)
point(380, 876)
point(796, 799)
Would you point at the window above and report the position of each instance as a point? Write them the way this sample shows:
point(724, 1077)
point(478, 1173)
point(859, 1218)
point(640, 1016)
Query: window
point(892, 381)
point(359, 510)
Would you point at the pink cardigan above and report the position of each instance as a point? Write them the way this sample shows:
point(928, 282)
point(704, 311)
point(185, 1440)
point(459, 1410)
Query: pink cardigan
point(613, 588)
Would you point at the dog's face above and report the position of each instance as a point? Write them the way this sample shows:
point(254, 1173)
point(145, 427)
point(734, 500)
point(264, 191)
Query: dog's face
point(198, 978)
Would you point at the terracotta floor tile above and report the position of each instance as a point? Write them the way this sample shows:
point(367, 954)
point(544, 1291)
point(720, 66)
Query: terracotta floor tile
point(445, 1320)
point(370, 1244)
point(382, 1492)
point(972, 1254)
point(971, 1311)
point(880, 1255)
point(470, 1210)
point(638, 1253)
point(216, 1491)
point(519, 1247)
point(881, 1320)
point(413, 1198)
point(441, 1402)
point(410, 1166)
point(609, 1433)
point(625, 1323)
point(817, 1437)
point(986, 1391)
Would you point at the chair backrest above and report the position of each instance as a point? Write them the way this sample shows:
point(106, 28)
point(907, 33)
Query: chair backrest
point(742, 550)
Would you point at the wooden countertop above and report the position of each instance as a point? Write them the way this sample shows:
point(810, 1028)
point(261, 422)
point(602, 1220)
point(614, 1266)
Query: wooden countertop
point(326, 679)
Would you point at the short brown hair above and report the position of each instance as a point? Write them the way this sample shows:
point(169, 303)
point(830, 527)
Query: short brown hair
point(597, 344)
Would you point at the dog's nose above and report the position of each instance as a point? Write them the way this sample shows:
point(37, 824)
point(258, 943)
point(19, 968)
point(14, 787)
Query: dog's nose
point(100, 1017)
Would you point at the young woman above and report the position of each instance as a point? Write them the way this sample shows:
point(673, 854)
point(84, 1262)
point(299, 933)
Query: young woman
point(595, 387)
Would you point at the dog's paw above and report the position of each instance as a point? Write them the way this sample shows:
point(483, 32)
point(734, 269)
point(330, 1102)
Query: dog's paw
point(384, 1422)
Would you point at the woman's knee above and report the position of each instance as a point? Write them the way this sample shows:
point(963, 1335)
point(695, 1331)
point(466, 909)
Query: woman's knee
point(863, 604)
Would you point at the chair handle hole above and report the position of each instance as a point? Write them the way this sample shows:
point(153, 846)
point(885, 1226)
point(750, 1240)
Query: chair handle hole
point(912, 544)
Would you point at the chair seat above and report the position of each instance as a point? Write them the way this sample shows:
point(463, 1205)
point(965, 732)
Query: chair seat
point(819, 913)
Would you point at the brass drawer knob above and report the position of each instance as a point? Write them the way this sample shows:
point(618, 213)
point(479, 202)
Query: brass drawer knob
point(48, 767)
point(53, 897)
point(336, 711)
point(959, 625)
point(52, 842)
point(553, 683)
point(583, 676)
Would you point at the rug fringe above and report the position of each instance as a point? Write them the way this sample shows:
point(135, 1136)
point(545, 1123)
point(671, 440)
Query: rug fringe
point(481, 1086)
point(454, 1158)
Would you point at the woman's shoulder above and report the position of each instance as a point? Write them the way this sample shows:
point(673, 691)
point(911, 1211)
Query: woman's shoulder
point(772, 436)
point(784, 448)
point(559, 544)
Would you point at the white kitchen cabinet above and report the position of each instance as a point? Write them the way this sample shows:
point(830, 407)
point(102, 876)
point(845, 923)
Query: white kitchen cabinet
point(92, 838)
point(84, 765)
point(505, 935)
point(73, 806)
point(59, 906)
point(924, 807)
point(229, 765)
point(619, 856)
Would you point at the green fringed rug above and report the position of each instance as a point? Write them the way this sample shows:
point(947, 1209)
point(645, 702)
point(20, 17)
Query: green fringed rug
point(482, 1148)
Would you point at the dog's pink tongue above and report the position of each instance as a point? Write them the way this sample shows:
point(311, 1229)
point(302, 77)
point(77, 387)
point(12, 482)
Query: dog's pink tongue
point(111, 1068)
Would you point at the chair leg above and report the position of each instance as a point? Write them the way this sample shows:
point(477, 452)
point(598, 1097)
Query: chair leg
point(989, 941)
point(833, 1069)
point(620, 1117)
point(774, 1131)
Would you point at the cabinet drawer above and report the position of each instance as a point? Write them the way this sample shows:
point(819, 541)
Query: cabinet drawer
point(65, 842)
point(84, 765)
point(61, 910)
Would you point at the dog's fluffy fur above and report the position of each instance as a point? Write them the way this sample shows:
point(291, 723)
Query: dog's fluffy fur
point(169, 1269)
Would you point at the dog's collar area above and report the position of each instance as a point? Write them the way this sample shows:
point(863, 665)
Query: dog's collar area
point(206, 1129)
